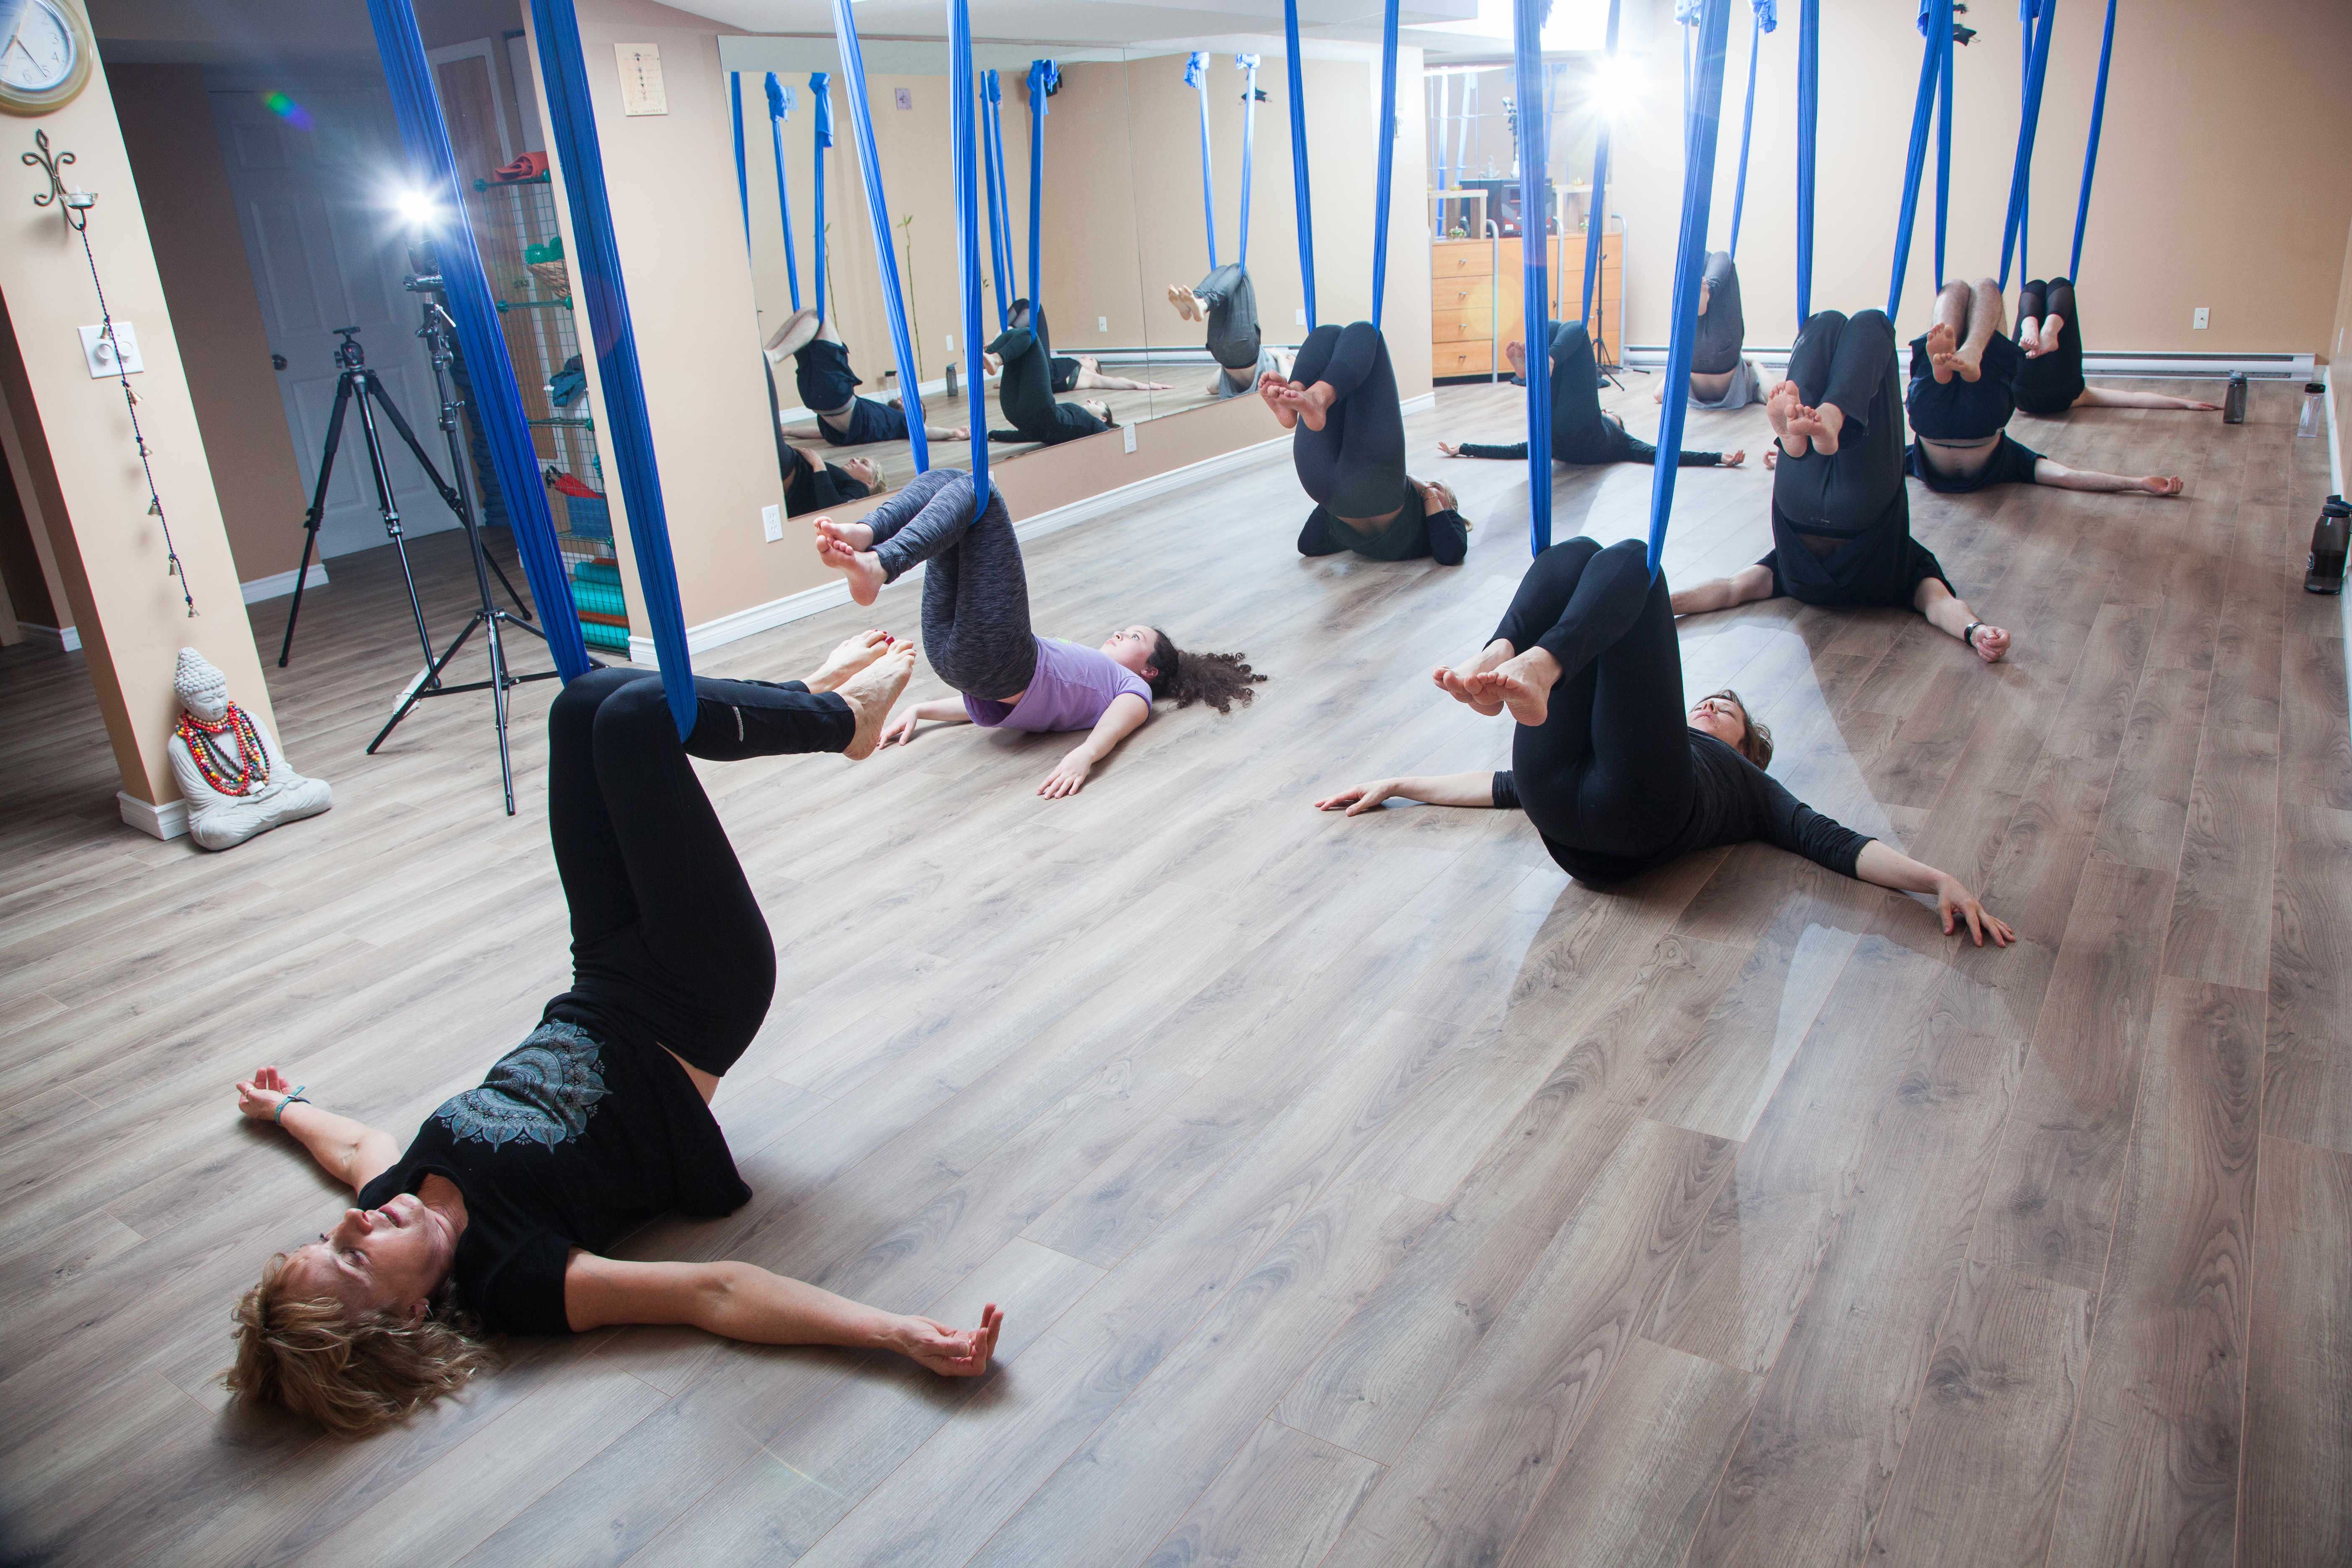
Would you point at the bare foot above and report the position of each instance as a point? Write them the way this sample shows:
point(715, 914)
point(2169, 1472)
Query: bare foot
point(856, 536)
point(2164, 484)
point(1816, 428)
point(861, 567)
point(1518, 354)
point(1990, 643)
point(2029, 338)
point(1455, 683)
point(1522, 684)
point(1187, 303)
point(1274, 391)
point(992, 363)
point(1780, 410)
point(870, 692)
point(1943, 353)
point(1659, 395)
point(960, 433)
point(854, 654)
point(1312, 404)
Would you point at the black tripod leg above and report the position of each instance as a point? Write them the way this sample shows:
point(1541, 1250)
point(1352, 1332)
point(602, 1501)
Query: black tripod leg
point(371, 393)
point(449, 494)
point(507, 583)
point(424, 685)
point(318, 510)
point(500, 681)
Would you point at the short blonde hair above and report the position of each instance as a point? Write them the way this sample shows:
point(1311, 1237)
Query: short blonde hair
point(353, 1375)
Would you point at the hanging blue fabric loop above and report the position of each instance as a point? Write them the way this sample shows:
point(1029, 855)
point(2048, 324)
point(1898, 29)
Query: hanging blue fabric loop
point(1000, 238)
point(742, 173)
point(596, 274)
point(967, 201)
point(2091, 147)
point(1196, 77)
point(2013, 234)
point(497, 401)
point(779, 110)
point(1247, 66)
point(1388, 135)
point(1943, 151)
point(1765, 21)
point(1937, 20)
point(1690, 259)
point(1809, 115)
point(1596, 204)
point(1299, 158)
point(877, 210)
point(1534, 137)
point(1045, 76)
point(821, 98)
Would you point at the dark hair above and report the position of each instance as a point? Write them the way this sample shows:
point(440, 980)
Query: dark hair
point(1756, 745)
point(1218, 680)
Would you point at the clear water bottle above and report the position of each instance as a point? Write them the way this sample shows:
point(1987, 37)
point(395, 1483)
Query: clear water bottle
point(2234, 402)
point(2314, 409)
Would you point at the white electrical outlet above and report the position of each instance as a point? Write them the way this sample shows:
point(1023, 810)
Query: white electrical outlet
point(772, 522)
point(1102, 324)
point(950, 343)
point(99, 354)
point(2199, 322)
point(1300, 316)
point(1126, 434)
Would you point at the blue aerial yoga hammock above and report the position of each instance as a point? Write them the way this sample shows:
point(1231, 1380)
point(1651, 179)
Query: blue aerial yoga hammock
point(1247, 65)
point(1768, 19)
point(1299, 158)
point(742, 174)
point(1388, 135)
point(571, 128)
point(1808, 114)
point(1596, 204)
point(1000, 238)
point(779, 110)
point(1534, 128)
point(2021, 179)
point(497, 401)
point(1936, 22)
point(968, 191)
point(1045, 76)
point(820, 100)
point(1690, 258)
point(2091, 148)
point(877, 210)
point(1196, 77)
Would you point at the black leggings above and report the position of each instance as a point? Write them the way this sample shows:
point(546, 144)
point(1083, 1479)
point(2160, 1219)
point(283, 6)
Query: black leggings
point(1850, 363)
point(1610, 767)
point(1025, 393)
point(2049, 382)
point(976, 630)
point(1723, 331)
point(1361, 444)
point(668, 946)
point(1581, 433)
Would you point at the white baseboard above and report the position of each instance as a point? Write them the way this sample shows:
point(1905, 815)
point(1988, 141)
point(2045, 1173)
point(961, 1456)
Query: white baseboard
point(278, 585)
point(825, 595)
point(167, 821)
point(57, 639)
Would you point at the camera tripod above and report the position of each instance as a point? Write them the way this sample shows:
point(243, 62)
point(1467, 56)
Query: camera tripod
point(359, 386)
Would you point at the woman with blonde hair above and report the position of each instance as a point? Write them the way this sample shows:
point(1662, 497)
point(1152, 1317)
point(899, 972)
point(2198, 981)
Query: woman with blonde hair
point(496, 1215)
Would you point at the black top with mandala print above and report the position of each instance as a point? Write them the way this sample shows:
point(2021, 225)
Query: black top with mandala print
point(568, 1142)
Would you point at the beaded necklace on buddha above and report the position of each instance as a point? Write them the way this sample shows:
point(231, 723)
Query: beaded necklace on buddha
point(212, 759)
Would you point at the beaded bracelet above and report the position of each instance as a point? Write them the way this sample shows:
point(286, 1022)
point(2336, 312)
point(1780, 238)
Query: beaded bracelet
point(297, 1097)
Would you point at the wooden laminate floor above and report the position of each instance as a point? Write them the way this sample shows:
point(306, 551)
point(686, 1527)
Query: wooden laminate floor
point(1357, 1191)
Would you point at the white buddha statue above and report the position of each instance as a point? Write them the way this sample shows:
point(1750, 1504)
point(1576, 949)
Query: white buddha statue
point(229, 769)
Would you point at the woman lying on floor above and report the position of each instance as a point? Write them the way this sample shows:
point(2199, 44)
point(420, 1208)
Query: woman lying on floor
point(495, 1215)
point(976, 626)
point(1720, 375)
point(1348, 444)
point(1613, 772)
point(828, 388)
point(811, 484)
point(1025, 390)
point(1079, 373)
point(1841, 512)
point(1961, 398)
point(1581, 432)
point(2049, 379)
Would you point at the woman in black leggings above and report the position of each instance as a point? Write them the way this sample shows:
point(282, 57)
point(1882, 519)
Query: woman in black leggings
point(2050, 378)
point(495, 1215)
point(1581, 433)
point(1841, 512)
point(1612, 770)
point(1025, 391)
point(976, 628)
point(1348, 445)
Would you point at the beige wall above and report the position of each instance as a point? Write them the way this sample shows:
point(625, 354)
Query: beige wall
point(167, 127)
point(2206, 193)
point(2339, 354)
point(75, 436)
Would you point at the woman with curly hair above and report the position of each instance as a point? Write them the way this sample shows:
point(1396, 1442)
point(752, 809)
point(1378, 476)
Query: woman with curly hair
point(976, 626)
point(497, 1214)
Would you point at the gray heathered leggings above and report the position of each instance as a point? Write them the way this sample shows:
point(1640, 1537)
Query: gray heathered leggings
point(975, 596)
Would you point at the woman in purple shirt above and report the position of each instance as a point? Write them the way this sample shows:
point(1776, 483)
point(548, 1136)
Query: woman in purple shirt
point(976, 631)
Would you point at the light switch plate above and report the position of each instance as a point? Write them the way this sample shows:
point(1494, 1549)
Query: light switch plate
point(905, 97)
point(1127, 433)
point(2199, 324)
point(98, 355)
point(772, 522)
point(1102, 324)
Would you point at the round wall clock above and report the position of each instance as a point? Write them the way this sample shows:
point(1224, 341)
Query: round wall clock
point(46, 60)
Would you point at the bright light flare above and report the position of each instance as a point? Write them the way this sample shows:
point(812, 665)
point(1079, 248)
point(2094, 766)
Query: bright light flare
point(416, 207)
point(1618, 85)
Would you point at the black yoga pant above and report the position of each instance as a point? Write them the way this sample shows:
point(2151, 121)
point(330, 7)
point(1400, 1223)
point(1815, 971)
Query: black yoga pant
point(975, 594)
point(2049, 382)
point(1610, 767)
point(1581, 433)
point(668, 946)
point(809, 488)
point(1025, 393)
point(822, 375)
point(1850, 363)
point(1229, 300)
point(1444, 537)
point(1723, 331)
point(1361, 444)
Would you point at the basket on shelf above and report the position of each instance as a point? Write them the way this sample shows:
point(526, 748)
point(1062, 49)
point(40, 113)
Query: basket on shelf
point(552, 276)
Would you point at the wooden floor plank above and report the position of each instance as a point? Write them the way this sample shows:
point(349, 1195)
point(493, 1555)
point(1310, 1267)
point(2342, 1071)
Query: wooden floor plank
point(2307, 1078)
point(2295, 1479)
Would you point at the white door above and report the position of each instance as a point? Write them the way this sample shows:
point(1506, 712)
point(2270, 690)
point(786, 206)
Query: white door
point(314, 180)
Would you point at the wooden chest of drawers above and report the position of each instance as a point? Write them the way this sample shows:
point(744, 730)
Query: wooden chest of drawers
point(1476, 305)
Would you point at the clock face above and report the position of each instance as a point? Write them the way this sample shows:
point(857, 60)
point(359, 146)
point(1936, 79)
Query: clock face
point(45, 60)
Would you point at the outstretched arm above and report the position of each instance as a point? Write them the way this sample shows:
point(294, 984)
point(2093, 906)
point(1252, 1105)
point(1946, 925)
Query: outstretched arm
point(2113, 397)
point(1882, 863)
point(740, 1301)
point(1124, 715)
point(901, 728)
point(352, 1151)
point(1439, 789)
point(2050, 471)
